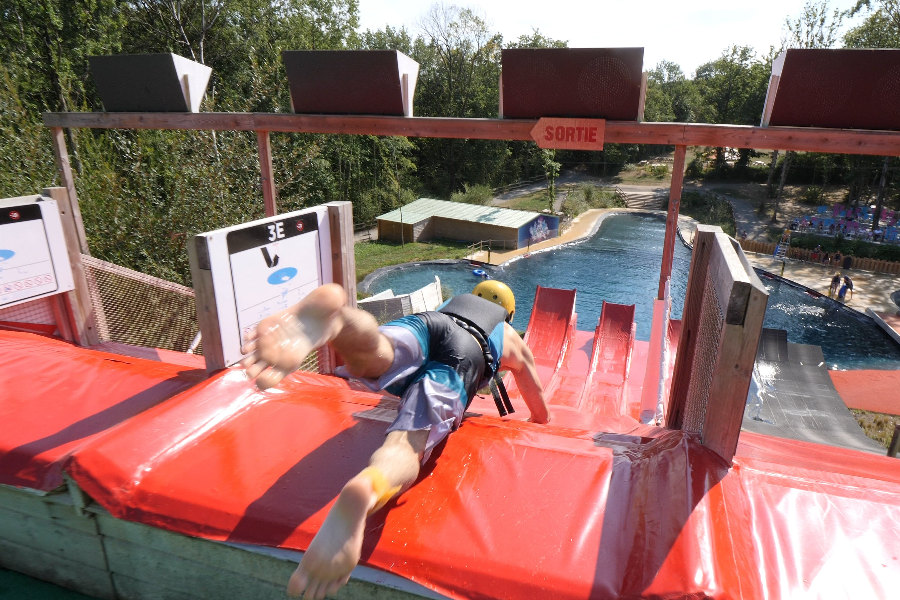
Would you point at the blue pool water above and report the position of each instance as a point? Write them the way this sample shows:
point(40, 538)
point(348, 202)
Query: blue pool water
point(620, 263)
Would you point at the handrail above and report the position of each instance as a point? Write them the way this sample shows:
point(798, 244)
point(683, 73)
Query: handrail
point(479, 245)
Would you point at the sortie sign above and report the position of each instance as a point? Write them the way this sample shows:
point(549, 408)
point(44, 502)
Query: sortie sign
point(569, 134)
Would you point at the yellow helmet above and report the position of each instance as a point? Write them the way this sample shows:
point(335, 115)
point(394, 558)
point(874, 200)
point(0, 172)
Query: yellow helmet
point(498, 293)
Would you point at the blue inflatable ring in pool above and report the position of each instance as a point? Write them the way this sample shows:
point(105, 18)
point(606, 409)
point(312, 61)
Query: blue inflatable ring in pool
point(479, 272)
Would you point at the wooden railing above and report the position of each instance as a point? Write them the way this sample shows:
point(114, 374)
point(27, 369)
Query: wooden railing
point(863, 264)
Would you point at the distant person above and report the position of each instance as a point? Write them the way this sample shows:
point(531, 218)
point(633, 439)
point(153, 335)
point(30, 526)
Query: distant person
point(743, 235)
point(836, 259)
point(815, 253)
point(848, 285)
point(825, 258)
point(835, 284)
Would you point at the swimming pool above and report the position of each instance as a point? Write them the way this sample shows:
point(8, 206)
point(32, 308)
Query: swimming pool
point(620, 263)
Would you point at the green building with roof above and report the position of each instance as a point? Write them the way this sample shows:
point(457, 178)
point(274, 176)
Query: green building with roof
point(425, 219)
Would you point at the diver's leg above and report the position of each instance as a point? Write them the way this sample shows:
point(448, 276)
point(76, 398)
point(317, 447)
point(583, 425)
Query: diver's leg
point(283, 340)
point(335, 550)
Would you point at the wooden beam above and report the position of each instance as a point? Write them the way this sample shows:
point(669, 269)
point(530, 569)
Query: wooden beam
point(79, 308)
point(809, 139)
point(68, 181)
point(270, 193)
point(665, 270)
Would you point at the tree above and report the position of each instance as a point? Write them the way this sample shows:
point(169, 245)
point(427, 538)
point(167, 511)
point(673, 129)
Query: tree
point(551, 170)
point(886, 23)
point(732, 89)
point(814, 27)
point(670, 95)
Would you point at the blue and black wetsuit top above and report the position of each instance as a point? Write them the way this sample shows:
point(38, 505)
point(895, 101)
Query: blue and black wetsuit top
point(465, 335)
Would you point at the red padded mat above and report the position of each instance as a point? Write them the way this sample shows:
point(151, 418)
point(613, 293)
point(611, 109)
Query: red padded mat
point(507, 508)
point(56, 397)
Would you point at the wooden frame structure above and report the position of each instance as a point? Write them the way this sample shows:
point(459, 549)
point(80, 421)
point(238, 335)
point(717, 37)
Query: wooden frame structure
point(725, 305)
point(680, 135)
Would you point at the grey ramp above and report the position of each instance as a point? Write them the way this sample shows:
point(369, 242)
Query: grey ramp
point(800, 402)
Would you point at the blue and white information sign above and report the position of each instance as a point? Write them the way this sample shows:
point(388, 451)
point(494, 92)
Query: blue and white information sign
point(263, 267)
point(33, 259)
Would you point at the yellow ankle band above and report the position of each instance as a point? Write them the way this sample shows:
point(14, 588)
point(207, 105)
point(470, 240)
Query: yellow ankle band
point(381, 487)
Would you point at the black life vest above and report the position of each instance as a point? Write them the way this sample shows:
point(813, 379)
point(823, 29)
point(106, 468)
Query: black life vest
point(479, 317)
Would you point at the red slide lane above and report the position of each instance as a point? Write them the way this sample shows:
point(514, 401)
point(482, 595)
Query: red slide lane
point(604, 386)
point(550, 329)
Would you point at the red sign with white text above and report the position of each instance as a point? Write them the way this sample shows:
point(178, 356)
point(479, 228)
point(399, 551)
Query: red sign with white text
point(569, 134)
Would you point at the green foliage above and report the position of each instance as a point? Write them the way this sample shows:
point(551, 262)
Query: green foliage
point(708, 209)
point(814, 27)
point(732, 88)
point(813, 195)
point(847, 247)
point(670, 96)
point(474, 194)
point(586, 197)
point(658, 171)
point(881, 28)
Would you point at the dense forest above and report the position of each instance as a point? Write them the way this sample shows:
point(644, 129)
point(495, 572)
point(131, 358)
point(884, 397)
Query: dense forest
point(143, 193)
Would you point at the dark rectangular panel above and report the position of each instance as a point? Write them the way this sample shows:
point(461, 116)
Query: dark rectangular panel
point(344, 82)
point(138, 83)
point(845, 89)
point(603, 83)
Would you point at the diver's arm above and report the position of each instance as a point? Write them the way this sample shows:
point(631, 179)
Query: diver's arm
point(517, 357)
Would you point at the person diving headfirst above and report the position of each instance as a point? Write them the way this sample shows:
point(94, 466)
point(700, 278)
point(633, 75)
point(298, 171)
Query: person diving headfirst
point(434, 361)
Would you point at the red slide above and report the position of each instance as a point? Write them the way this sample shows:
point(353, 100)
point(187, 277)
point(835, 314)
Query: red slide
point(550, 330)
point(604, 386)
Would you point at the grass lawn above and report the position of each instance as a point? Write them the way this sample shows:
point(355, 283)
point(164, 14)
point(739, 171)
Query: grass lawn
point(878, 426)
point(535, 201)
point(377, 254)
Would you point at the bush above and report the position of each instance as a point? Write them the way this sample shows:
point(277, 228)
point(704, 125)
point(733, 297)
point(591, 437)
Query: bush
point(658, 171)
point(586, 197)
point(709, 209)
point(474, 194)
point(857, 248)
point(812, 195)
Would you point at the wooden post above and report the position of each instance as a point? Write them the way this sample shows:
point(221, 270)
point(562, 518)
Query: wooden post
point(205, 297)
point(270, 194)
point(68, 182)
point(665, 270)
point(343, 265)
point(76, 306)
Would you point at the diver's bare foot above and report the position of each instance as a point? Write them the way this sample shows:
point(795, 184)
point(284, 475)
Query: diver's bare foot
point(335, 550)
point(282, 341)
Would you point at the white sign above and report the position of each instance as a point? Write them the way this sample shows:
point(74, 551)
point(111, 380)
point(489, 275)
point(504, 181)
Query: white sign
point(33, 259)
point(263, 267)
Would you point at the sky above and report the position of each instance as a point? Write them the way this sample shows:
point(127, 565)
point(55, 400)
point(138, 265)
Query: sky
point(687, 32)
